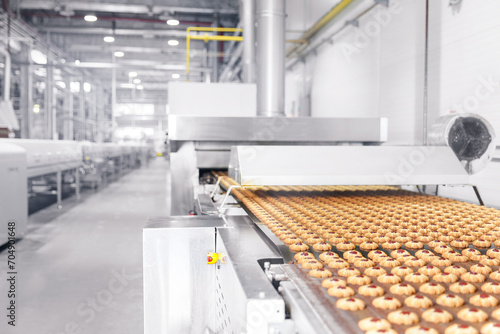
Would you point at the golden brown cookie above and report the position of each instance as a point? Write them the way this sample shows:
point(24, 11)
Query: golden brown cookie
point(490, 328)
point(473, 277)
point(351, 254)
point(333, 281)
point(416, 278)
point(449, 300)
point(429, 270)
point(494, 252)
point(421, 330)
point(401, 317)
point(382, 331)
point(320, 273)
point(463, 287)
point(445, 278)
point(491, 287)
point(371, 290)
point(415, 262)
point(391, 263)
point(345, 246)
point(432, 288)
point(359, 280)
point(402, 289)
point(346, 272)
point(481, 269)
point(401, 271)
point(376, 253)
point(298, 247)
point(489, 261)
point(350, 304)
point(418, 301)
point(340, 291)
point(302, 255)
point(481, 243)
point(459, 243)
point(460, 329)
point(472, 315)
point(455, 270)
point(338, 264)
point(414, 244)
point(373, 323)
point(386, 303)
point(483, 300)
point(442, 249)
point(496, 314)
point(437, 316)
point(364, 263)
point(368, 245)
point(399, 253)
point(321, 246)
point(389, 278)
point(495, 275)
point(311, 264)
point(441, 262)
point(374, 271)
point(391, 245)
point(472, 254)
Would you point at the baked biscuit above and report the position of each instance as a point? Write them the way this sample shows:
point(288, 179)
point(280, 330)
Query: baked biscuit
point(424, 254)
point(311, 264)
point(416, 278)
point(483, 300)
point(401, 271)
point(321, 246)
point(386, 303)
point(460, 329)
point(459, 243)
point(437, 316)
point(481, 269)
point(449, 300)
point(463, 287)
point(418, 301)
point(473, 277)
point(333, 281)
point(495, 275)
point(328, 256)
point(472, 315)
point(350, 304)
point(398, 253)
point(400, 317)
point(490, 328)
point(346, 272)
point(351, 254)
point(414, 262)
point(320, 273)
point(441, 262)
point(429, 270)
point(432, 288)
point(402, 289)
point(472, 254)
point(374, 271)
point(371, 290)
point(389, 278)
point(376, 253)
point(338, 264)
point(364, 263)
point(445, 278)
point(391, 263)
point(455, 270)
point(421, 330)
point(391, 245)
point(373, 323)
point(489, 261)
point(302, 255)
point(414, 244)
point(340, 291)
point(481, 243)
point(298, 247)
point(491, 287)
point(382, 331)
point(345, 246)
point(493, 252)
point(292, 240)
point(496, 314)
point(368, 245)
point(359, 280)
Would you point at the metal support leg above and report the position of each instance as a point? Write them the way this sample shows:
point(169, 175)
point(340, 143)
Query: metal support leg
point(59, 189)
point(478, 195)
point(216, 186)
point(77, 183)
point(225, 197)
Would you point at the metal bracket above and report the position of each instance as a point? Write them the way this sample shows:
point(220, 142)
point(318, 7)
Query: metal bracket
point(227, 195)
point(382, 2)
point(353, 22)
point(478, 195)
point(216, 187)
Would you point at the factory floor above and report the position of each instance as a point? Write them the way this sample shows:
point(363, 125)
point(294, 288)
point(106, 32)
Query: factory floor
point(80, 268)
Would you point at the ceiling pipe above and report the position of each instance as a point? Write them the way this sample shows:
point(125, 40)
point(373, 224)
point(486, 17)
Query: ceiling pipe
point(248, 22)
point(270, 57)
point(318, 26)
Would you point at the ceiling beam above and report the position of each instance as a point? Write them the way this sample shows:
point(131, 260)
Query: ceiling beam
point(132, 66)
point(109, 31)
point(115, 7)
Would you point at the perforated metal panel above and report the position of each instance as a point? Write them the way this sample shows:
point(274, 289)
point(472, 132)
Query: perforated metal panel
point(222, 317)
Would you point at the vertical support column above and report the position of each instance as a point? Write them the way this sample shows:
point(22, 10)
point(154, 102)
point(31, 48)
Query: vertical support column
point(77, 183)
point(270, 57)
point(83, 129)
point(113, 97)
point(68, 133)
point(215, 50)
point(248, 22)
point(49, 108)
point(26, 102)
point(59, 189)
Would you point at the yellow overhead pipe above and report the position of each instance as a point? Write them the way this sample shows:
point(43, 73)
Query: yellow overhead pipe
point(207, 37)
point(320, 24)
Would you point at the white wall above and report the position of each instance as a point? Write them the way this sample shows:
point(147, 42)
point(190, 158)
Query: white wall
point(378, 69)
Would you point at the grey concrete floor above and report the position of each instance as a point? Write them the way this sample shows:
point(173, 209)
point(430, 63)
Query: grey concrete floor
point(80, 268)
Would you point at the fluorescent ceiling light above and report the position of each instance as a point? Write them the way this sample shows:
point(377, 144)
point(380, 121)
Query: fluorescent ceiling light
point(137, 81)
point(61, 84)
point(173, 22)
point(90, 18)
point(87, 87)
point(139, 87)
point(173, 42)
point(109, 39)
point(77, 62)
point(38, 57)
point(132, 74)
point(119, 54)
point(176, 76)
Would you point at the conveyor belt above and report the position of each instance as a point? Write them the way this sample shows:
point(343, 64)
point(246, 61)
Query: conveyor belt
point(351, 216)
